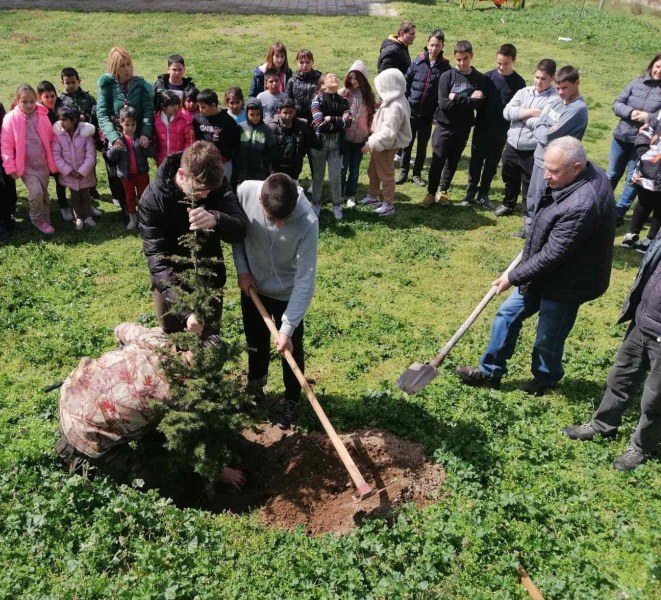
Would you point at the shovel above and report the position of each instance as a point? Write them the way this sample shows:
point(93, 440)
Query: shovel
point(363, 488)
point(419, 375)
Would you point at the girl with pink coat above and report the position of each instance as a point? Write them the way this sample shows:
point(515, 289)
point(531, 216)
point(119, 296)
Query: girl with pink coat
point(173, 127)
point(74, 154)
point(26, 152)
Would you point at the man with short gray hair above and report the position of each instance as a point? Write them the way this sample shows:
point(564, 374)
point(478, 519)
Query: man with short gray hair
point(566, 262)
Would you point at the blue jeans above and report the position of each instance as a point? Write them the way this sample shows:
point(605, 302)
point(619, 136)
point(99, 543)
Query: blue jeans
point(555, 321)
point(351, 158)
point(622, 155)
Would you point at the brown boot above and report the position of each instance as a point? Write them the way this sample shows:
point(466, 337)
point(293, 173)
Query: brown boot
point(428, 201)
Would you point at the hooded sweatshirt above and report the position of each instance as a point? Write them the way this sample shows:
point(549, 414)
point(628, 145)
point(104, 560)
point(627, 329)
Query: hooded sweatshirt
point(282, 260)
point(257, 149)
point(75, 153)
point(361, 115)
point(391, 127)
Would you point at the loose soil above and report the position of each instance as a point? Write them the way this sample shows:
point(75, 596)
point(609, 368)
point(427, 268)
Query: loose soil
point(298, 480)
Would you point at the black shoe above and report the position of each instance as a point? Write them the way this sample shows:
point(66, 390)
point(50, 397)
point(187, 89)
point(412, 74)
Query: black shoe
point(504, 211)
point(402, 176)
point(629, 241)
point(534, 388)
point(289, 415)
point(255, 388)
point(642, 246)
point(585, 432)
point(418, 180)
point(630, 460)
point(473, 376)
point(484, 201)
point(469, 199)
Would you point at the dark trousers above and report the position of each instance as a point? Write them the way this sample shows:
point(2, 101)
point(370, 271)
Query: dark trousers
point(486, 150)
point(8, 198)
point(258, 338)
point(638, 360)
point(170, 323)
point(115, 185)
point(421, 129)
point(649, 203)
point(448, 144)
point(61, 193)
point(516, 171)
point(351, 159)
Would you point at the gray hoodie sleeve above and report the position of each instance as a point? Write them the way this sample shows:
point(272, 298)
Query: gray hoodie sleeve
point(304, 280)
point(240, 258)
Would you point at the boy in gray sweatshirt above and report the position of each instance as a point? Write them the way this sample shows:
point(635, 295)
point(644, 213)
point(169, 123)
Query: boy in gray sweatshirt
point(556, 121)
point(278, 259)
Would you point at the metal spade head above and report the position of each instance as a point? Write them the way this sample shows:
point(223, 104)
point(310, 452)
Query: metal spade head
point(416, 377)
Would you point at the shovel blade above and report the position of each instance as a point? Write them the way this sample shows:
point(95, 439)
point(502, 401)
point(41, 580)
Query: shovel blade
point(416, 377)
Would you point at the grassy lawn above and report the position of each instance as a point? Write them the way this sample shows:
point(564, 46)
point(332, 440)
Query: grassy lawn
point(389, 292)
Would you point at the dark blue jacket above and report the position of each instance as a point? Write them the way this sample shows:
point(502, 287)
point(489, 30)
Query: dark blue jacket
point(422, 84)
point(643, 304)
point(569, 250)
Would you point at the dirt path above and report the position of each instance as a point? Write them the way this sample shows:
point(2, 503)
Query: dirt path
point(284, 7)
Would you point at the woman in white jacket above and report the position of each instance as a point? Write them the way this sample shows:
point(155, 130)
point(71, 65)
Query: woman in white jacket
point(391, 130)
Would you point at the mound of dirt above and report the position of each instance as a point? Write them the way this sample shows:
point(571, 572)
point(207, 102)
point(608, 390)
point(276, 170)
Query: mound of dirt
point(298, 479)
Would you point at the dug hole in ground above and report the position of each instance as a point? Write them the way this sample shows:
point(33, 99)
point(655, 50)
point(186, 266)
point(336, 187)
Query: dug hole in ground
point(298, 479)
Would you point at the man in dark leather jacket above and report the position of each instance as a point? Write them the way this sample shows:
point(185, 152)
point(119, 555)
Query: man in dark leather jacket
point(566, 262)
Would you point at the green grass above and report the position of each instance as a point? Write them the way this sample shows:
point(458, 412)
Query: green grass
point(389, 292)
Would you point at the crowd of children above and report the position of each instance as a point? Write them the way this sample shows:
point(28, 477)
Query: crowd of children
point(291, 115)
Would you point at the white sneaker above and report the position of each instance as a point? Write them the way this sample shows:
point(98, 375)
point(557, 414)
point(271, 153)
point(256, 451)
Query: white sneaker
point(316, 208)
point(337, 213)
point(385, 210)
point(66, 213)
point(116, 203)
point(309, 190)
point(90, 222)
point(351, 202)
point(370, 200)
point(96, 212)
point(398, 158)
point(79, 224)
point(133, 223)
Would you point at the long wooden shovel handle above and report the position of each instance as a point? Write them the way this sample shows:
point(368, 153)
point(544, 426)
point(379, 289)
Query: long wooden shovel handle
point(440, 357)
point(361, 485)
point(530, 586)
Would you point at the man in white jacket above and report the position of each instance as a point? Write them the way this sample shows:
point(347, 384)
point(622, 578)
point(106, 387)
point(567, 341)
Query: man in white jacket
point(391, 130)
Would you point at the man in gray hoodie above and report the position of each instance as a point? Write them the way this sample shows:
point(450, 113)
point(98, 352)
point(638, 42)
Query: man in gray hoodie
point(278, 259)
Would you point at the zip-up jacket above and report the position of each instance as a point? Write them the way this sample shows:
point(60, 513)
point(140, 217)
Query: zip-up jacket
point(643, 93)
point(257, 148)
point(422, 83)
point(292, 145)
point(302, 87)
point(393, 55)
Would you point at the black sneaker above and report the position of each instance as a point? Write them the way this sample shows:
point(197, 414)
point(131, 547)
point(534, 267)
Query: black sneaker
point(484, 201)
point(630, 460)
point(255, 388)
point(534, 388)
point(418, 180)
point(504, 211)
point(402, 176)
point(585, 432)
point(289, 415)
point(629, 241)
point(642, 246)
point(473, 376)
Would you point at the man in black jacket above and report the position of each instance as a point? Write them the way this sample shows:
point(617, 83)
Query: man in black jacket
point(566, 262)
point(639, 354)
point(164, 216)
point(394, 52)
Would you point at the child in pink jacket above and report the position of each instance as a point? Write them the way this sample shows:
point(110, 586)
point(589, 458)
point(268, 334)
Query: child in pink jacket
point(74, 154)
point(26, 152)
point(173, 127)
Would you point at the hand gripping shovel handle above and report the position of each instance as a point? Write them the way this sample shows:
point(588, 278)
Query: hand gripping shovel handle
point(362, 486)
point(440, 357)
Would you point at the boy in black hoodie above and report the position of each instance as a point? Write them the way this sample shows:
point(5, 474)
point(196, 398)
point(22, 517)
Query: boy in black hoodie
point(214, 125)
point(174, 80)
point(257, 148)
point(461, 92)
point(294, 138)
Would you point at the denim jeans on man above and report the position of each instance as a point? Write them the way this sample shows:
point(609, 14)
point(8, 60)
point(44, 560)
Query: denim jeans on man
point(555, 321)
point(622, 156)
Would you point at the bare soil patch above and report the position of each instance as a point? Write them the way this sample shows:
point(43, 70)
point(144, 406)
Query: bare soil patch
point(298, 480)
